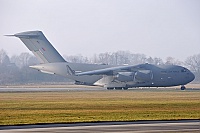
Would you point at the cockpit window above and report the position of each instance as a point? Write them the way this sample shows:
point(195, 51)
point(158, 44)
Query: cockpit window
point(183, 70)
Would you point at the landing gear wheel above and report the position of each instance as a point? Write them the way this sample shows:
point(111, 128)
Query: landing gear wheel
point(110, 88)
point(183, 87)
point(125, 88)
point(118, 88)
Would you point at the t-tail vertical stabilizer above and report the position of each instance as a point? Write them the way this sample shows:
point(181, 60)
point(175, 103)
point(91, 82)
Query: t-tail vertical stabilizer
point(37, 43)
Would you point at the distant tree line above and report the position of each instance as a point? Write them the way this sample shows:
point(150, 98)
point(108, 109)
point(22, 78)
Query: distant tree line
point(15, 69)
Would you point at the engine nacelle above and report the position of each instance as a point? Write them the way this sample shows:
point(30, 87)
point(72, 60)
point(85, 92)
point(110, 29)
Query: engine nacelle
point(125, 76)
point(140, 75)
point(143, 75)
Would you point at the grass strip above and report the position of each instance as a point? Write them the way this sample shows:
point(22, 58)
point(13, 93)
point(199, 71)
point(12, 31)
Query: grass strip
point(93, 106)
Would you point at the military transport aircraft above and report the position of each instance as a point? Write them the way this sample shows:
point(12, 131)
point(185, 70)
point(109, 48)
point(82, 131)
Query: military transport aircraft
point(111, 77)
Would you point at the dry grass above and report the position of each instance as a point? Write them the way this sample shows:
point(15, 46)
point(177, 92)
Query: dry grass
point(86, 106)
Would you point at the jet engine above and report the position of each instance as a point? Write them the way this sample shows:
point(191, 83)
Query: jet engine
point(125, 76)
point(140, 75)
point(143, 75)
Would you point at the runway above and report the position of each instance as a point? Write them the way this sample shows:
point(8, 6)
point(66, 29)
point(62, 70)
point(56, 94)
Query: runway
point(110, 127)
point(73, 88)
point(49, 89)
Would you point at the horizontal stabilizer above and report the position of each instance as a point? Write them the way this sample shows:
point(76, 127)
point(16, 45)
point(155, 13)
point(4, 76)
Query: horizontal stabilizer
point(24, 36)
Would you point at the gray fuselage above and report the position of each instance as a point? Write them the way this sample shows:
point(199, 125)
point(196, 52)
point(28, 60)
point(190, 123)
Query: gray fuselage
point(143, 75)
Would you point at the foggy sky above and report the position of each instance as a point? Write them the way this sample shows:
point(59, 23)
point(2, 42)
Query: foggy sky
point(157, 28)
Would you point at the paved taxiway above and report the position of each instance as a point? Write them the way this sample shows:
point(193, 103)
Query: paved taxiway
point(125, 127)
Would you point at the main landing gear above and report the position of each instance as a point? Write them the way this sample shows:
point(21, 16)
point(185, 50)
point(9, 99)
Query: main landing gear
point(117, 88)
point(183, 87)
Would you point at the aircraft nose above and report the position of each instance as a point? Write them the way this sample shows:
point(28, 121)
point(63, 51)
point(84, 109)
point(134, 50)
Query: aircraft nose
point(192, 76)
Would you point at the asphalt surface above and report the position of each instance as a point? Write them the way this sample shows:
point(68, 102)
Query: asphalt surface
point(48, 89)
point(109, 127)
point(88, 89)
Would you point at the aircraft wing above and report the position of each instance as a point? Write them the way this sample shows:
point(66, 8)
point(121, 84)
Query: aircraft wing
point(108, 71)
